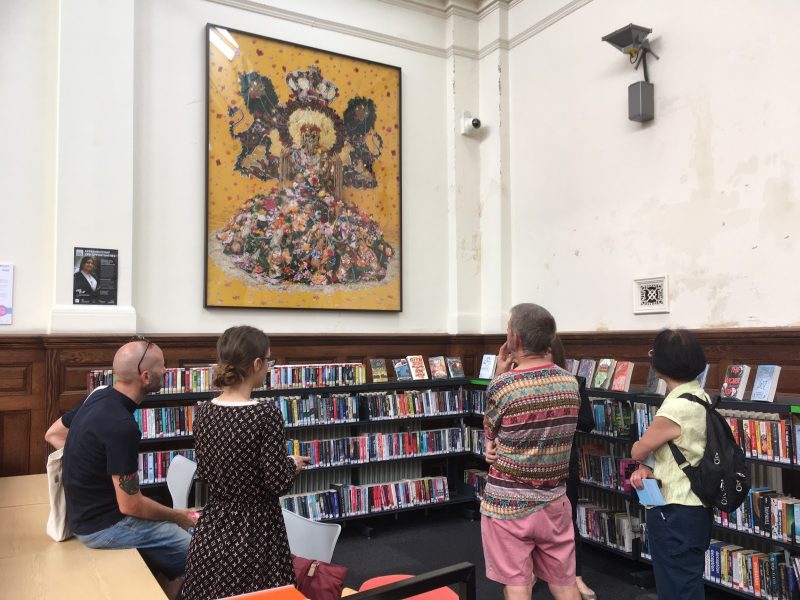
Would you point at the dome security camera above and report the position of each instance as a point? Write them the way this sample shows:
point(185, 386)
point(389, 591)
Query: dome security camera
point(469, 124)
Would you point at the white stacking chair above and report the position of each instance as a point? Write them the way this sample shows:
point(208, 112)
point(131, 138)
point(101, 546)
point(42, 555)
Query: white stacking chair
point(311, 539)
point(179, 480)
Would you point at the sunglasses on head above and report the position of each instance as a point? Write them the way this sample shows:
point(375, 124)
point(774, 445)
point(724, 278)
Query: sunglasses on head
point(141, 338)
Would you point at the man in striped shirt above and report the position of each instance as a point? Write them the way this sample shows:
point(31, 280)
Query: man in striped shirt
point(531, 415)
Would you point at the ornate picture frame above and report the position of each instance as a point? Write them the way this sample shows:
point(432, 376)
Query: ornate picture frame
point(303, 196)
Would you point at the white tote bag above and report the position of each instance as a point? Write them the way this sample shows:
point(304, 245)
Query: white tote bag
point(57, 524)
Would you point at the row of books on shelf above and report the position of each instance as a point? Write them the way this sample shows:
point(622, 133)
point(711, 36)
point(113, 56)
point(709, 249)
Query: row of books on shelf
point(765, 437)
point(611, 374)
point(177, 380)
point(607, 526)
point(344, 500)
point(763, 574)
point(369, 447)
point(611, 417)
point(346, 408)
point(767, 513)
point(153, 466)
point(316, 375)
point(316, 409)
point(412, 368)
point(596, 465)
point(413, 403)
point(165, 421)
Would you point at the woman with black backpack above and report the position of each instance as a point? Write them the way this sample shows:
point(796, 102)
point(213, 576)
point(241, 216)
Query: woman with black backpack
point(680, 531)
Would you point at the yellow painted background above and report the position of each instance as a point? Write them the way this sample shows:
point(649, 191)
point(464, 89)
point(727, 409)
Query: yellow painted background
point(229, 189)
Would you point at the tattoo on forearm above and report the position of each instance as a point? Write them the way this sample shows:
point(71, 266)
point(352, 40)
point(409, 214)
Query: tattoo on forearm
point(129, 483)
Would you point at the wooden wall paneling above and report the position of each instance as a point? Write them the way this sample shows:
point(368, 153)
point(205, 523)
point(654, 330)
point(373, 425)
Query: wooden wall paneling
point(22, 404)
point(43, 376)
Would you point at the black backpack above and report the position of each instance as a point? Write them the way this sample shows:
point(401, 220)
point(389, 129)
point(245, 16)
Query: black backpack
point(721, 478)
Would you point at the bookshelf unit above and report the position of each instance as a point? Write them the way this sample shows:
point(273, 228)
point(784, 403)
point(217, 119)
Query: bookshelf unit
point(433, 438)
point(762, 467)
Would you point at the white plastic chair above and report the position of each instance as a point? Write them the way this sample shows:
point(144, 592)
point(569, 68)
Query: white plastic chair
point(311, 539)
point(179, 480)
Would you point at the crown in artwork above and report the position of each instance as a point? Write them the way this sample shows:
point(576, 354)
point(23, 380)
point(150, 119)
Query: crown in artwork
point(311, 86)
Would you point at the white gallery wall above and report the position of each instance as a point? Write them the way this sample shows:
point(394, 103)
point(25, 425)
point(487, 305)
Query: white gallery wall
point(707, 193)
point(559, 200)
point(27, 154)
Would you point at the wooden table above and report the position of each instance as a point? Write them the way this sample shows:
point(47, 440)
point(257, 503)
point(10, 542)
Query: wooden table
point(26, 489)
point(32, 566)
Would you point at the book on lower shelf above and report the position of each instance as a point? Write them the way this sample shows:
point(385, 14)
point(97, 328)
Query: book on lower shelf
point(606, 525)
point(345, 500)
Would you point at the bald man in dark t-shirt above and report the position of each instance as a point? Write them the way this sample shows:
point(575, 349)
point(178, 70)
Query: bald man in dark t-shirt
point(105, 507)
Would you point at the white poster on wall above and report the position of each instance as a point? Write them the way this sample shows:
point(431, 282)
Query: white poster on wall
point(6, 292)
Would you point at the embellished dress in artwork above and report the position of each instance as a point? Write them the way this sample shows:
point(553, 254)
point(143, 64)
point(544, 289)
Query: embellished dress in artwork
point(240, 542)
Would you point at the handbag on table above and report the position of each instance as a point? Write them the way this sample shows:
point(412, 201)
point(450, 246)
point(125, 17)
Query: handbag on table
point(319, 580)
point(57, 525)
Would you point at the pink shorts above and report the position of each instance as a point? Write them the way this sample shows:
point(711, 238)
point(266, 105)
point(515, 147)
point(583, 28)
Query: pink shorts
point(540, 545)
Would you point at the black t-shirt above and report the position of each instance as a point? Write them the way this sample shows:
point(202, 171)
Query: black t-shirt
point(103, 441)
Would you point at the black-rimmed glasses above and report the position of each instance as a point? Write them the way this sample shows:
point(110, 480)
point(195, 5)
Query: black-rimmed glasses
point(140, 338)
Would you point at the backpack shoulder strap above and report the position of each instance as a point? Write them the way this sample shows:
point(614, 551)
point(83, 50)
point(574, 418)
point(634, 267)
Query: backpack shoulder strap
point(696, 400)
point(676, 453)
point(678, 456)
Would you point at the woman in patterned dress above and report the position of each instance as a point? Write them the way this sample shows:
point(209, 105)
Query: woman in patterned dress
point(240, 543)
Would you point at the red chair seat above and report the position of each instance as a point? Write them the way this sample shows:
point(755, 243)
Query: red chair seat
point(443, 593)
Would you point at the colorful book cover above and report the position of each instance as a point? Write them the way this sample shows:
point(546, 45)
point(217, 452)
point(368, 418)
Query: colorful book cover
point(586, 370)
point(765, 383)
point(455, 366)
point(438, 367)
point(379, 373)
point(655, 385)
point(622, 376)
point(735, 381)
point(417, 365)
point(605, 369)
point(401, 369)
point(571, 365)
point(487, 366)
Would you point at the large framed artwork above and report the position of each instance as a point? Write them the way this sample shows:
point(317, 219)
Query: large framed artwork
point(303, 206)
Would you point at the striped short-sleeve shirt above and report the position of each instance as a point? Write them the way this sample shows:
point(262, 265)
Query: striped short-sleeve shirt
point(531, 415)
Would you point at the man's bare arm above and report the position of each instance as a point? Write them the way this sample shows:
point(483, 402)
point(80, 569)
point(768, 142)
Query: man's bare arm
point(131, 502)
point(56, 436)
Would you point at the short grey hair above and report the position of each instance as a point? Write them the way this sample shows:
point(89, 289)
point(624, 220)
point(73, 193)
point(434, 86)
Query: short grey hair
point(534, 326)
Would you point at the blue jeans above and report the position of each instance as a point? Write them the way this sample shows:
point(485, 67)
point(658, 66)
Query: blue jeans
point(679, 537)
point(163, 545)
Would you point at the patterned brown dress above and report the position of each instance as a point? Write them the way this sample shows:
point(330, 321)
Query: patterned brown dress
point(239, 544)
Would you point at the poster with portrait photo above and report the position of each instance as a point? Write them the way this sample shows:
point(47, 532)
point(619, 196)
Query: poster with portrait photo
point(94, 279)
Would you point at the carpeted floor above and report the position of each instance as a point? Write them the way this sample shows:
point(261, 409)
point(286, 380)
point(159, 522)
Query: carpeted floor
point(414, 543)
